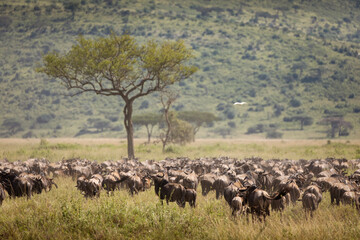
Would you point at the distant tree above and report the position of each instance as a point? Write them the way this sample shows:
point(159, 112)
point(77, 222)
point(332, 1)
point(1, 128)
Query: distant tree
point(337, 126)
point(304, 121)
point(258, 128)
point(149, 120)
point(12, 125)
point(231, 124)
point(118, 66)
point(102, 125)
point(99, 124)
point(72, 5)
point(44, 118)
point(197, 119)
point(167, 99)
point(223, 131)
point(272, 133)
point(182, 132)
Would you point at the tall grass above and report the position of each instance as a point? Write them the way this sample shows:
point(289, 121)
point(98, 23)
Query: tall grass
point(64, 213)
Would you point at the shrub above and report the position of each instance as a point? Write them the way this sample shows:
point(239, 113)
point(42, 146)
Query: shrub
point(230, 114)
point(44, 118)
point(29, 134)
point(232, 124)
point(273, 134)
point(259, 128)
point(144, 105)
point(263, 77)
point(5, 21)
point(295, 103)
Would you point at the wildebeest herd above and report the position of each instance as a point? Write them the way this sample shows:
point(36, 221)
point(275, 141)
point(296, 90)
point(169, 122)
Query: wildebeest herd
point(251, 185)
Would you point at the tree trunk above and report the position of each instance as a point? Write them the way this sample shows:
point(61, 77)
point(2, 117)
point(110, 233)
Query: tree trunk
point(129, 128)
point(167, 134)
point(148, 133)
point(333, 130)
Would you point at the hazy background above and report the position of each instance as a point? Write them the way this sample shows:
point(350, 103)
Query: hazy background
point(285, 58)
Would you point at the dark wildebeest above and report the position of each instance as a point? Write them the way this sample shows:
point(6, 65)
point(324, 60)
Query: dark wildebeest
point(2, 194)
point(170, 191)
point(292, 188)
point(231, 191)
point(207, 182)
point(137, 183)
point(220, 183)
point(259, 200)
point(190, 197)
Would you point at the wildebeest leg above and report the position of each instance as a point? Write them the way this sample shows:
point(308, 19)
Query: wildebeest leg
point(234, 212)
point(338, 201)
point(332, 198)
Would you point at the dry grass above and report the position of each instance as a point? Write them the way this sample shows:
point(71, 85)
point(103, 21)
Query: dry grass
point(115, 149)
point(64, 213)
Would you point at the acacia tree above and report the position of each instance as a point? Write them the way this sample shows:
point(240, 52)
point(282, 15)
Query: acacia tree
point(304, 121)
point(197, 118)
point(337, 124)
point(119, 66)
point(167, 99)
point(149, 120)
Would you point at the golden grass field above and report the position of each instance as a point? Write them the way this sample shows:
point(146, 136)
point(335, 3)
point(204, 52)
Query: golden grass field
point(64, 213)
point(114, 149)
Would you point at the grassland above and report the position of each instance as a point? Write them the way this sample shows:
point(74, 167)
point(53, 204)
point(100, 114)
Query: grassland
point(56, 149)
point(64, 213)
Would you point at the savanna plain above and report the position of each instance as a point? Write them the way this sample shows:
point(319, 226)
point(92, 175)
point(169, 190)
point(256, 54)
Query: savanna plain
point(63, 213)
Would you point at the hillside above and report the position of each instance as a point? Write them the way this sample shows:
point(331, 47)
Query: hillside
point(286, 58)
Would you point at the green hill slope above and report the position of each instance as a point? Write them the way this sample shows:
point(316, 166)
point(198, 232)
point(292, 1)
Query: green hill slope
point(285, 58)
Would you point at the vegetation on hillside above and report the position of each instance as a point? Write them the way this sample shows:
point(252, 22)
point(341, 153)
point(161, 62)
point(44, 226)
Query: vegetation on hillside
point(288, 59)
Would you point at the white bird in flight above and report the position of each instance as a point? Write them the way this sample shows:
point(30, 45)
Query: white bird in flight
point(240, 103)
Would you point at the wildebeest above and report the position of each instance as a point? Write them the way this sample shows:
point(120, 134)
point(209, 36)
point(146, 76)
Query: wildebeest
point(90, 187)
point(172, 192)
point(231, 191)
point(220, 183)
point(190, 197)
point(291, 187)
point(237, 205)
point(190, 181)
point(259, 200)
point(316, 190)
point(110, 183)
point(337, 190)
point(2, 194)
point(207, 182)
point(309, 202)
point(312, 196)
point(280, 204)
point(137, 183)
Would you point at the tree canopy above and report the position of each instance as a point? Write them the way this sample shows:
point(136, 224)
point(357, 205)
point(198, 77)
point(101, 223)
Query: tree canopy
point(149, 120)
point(197, 119)
point(118, 65)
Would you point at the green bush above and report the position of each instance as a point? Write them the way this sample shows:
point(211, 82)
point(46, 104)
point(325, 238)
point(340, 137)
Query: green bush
point(273, 134)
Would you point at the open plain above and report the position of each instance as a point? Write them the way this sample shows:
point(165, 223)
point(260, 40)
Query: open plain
point(63, 213)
